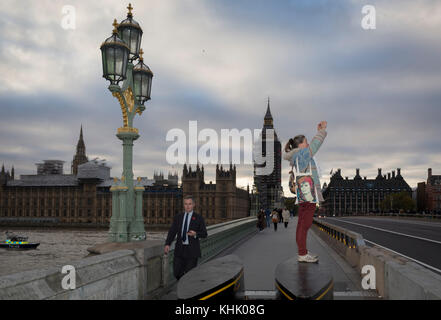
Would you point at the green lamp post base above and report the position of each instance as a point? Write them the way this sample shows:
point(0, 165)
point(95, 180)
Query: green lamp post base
point(127, 222)
point(118, 53)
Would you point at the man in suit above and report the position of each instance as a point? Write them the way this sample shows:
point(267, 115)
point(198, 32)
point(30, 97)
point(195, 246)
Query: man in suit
point(189, 227)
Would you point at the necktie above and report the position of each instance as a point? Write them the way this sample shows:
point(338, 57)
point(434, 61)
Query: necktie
point(184, 233)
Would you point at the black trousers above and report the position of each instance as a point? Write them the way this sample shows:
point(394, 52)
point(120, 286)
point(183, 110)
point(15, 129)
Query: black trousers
point(183, 263)
point(275, 226)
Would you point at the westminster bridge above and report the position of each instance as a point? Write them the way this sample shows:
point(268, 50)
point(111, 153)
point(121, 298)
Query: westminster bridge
point(140, 270)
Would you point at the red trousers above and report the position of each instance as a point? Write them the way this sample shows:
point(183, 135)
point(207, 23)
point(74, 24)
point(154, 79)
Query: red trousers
point(306, 213)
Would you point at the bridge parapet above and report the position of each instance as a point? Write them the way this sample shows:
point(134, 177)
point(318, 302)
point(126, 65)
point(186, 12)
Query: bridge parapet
point(134, 270)
point(396, 277)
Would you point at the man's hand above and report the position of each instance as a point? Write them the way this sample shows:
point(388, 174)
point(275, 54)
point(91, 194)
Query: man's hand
point(191, 233)
point(166, 249)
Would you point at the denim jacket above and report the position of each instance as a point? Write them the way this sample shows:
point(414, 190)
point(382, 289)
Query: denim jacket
point(305, 156)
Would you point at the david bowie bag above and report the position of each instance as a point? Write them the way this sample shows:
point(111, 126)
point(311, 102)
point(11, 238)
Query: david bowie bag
point(304, 185)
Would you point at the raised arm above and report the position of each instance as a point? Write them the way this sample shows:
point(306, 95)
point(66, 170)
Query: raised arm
point(305, 155)
point(318, 139)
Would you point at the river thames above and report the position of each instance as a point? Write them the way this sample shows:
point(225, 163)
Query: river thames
point(57, 247)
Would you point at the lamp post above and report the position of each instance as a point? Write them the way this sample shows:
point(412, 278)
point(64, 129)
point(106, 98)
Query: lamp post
point(118, 54)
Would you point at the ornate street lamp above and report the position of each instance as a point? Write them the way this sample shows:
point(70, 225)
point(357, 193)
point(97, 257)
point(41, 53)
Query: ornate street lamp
point(118, 53)
point(130, 32)
point(142, 80)
point(115, 53)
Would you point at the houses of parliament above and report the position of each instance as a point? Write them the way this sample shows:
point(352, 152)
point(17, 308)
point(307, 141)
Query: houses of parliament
point(83, 197)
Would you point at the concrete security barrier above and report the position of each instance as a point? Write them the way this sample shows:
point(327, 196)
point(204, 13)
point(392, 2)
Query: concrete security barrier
point(303, 281)
point(397, 278)
point(134, 270)
point(218, 279)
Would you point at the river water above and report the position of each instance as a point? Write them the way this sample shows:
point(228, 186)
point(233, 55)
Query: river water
point(57, 247)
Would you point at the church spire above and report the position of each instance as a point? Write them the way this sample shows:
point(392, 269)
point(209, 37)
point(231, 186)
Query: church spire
point(81, 147)
point(80, 156)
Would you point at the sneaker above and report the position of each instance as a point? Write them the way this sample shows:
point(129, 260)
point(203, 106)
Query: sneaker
point(307, 258)
point(313, 254)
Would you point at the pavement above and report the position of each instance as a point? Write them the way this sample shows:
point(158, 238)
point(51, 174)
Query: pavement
point(263, 251)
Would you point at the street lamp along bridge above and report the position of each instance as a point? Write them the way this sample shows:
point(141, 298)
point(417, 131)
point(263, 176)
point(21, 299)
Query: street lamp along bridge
point(119, 52)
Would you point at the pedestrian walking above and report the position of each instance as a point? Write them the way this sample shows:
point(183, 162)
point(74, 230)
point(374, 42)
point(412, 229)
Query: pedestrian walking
point(275, 218)
point(268, 217)
point(261, 220)
point(285, 215)
point(279, 211)
point(187, 227)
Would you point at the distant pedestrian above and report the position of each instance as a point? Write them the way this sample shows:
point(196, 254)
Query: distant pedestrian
point(261, 220)
point(285, 215)
point(279, 211)
point(268, 217)
point(275, 218)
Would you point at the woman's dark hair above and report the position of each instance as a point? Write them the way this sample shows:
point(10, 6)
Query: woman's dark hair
point(294, 142)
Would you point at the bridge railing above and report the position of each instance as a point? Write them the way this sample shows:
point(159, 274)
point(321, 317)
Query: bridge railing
point(395, 214)
point(349, 238)
point(396, 277)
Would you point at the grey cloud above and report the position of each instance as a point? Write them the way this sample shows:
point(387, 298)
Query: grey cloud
point(216, 63)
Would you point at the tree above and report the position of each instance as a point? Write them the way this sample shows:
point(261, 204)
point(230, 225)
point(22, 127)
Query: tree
point(397, 202)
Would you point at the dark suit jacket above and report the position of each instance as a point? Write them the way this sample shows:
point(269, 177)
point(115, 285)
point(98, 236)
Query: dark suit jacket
point(197, 224)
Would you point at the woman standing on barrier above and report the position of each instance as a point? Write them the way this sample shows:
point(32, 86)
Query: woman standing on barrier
point(305, 183)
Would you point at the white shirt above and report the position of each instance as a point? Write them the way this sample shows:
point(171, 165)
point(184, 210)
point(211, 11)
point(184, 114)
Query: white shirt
point(188, 225)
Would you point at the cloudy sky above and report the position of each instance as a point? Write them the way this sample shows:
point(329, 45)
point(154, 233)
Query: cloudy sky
point(217, 62)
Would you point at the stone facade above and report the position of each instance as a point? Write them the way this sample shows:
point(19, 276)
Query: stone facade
point(218, 202)
point(429, 193)
point(85, 197)
point(361, 195)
